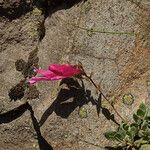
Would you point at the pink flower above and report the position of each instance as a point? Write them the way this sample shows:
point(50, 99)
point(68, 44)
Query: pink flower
point(55, 72)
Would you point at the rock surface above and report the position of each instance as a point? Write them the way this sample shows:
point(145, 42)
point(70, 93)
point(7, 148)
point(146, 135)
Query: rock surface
point(111, 39)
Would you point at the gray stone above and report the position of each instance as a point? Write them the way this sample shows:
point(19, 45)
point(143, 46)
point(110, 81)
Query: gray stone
point(110, 38)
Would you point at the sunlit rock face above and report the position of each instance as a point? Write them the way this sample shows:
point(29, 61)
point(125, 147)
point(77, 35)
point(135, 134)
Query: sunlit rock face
point(110, 38)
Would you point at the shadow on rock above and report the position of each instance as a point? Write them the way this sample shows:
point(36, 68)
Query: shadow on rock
point(21, 89)
point(14, 9)
point(13, 114)
point(56, 5)
point(18, 112)
point(69, 98)
point(43, 144)
point(72, 96)
point(105, 111)
point(112, 148)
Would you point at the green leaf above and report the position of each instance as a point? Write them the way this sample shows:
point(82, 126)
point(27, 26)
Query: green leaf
point(140, 142)
point(148, 112)
point(110, 135)
point(132, 132)
point(145, 147)
point(125, 126)
point(144, 125)
point(143, 107)
point(136, 119)
point(119, 136)
point(141, 133)
point(113, 135)
point(147, 132)
point(134, 125)
point(140, 113)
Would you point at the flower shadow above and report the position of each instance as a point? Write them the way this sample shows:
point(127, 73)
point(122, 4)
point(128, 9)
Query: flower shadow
point(105, 111)
point(70, 97)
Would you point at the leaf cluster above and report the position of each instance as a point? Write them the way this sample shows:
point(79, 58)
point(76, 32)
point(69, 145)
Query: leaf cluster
point(135, 135)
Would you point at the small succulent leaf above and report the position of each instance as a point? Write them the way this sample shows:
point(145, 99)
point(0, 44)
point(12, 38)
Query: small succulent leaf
point(141, 133)
point(119, 136)
point(137, 143)
point(134, 129)
point(143, 107)
point(110, 135)
point(144, 125)
point(140, 113)
point(134, 125)
point(147, 132)
point(148, 112)
point(132, 132)
point(140, 142)
point(145, 147)
point(125, 126)
point(130, 136)
point(136, 119)
point(120, 126)
point(123, 133)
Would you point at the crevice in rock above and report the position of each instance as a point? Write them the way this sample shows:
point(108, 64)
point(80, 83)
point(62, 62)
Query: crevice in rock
point(41, 30)
point(49, 7)
point(14, 9)
point(55, 5)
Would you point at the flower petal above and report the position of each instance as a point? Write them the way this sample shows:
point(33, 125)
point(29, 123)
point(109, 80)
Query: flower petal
point(47, 73)
point(64, 69)
point(55, 72)
point(33, 80)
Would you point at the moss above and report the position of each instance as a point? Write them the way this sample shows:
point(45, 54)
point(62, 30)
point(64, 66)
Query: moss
point(83, 112)
point(37, 12)
point(33, 29)
point(36, 27)
point(128, 99)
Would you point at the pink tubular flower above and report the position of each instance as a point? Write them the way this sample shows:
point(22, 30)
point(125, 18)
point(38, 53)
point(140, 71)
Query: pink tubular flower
point(55, 72)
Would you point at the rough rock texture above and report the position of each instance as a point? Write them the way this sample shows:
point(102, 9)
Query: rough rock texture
point(111, 38)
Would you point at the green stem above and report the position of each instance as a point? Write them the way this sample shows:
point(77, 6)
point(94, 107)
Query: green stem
point(107, 32)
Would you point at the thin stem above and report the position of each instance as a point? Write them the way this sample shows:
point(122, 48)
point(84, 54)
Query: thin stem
point(105, 98)
point(91, 80)
point(107, 32)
